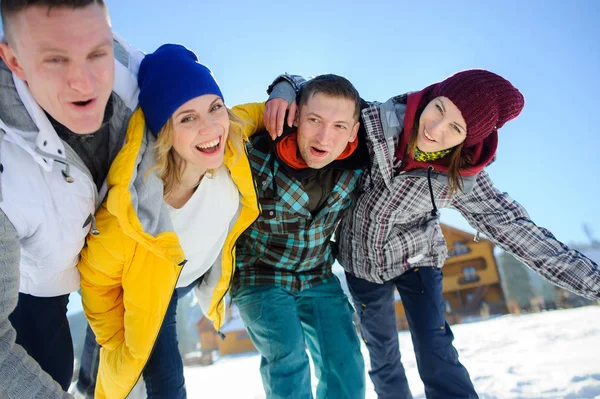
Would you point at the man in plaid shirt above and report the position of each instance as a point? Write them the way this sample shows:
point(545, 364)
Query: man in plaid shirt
point(286, 293)
point(391, 239)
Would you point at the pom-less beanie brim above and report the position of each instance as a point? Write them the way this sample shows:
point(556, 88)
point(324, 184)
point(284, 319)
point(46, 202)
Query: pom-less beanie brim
point(168, 78)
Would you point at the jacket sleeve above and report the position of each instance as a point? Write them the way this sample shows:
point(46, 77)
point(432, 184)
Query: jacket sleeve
point(507, 224)
point(296, 81)
point(20, 376)
point(252, 115)
point(285, 86)
point(101, 269)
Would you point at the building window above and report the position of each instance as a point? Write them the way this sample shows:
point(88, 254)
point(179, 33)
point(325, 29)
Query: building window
point(459, 248)
point(469, 275)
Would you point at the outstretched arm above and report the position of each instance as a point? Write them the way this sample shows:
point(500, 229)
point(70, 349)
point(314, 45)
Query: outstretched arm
point(507, 224)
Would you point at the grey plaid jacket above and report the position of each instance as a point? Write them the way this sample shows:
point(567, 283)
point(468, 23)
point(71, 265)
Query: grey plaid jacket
point(390, 228)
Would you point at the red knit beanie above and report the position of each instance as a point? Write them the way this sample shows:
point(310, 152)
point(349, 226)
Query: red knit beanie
point(486, 101)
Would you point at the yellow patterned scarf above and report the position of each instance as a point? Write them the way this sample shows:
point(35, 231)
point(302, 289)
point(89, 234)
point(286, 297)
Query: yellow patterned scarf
point(422, 156)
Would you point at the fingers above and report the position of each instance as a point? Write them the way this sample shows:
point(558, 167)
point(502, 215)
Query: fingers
point(292, 114)
point(279, 120)
point(274, 116)
point(269, 119)
point(267, 116)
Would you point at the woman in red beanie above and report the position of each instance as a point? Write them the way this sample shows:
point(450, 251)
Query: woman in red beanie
point(428, 151)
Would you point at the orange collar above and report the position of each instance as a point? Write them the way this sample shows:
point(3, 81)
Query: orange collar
point(287, 151)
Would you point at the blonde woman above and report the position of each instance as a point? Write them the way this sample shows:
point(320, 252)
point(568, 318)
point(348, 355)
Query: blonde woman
point(181, 192)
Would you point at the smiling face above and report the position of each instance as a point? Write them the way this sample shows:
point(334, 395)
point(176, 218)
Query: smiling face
point(65, 56)
point(325, 127)
point(441, 126)
point(200, 128)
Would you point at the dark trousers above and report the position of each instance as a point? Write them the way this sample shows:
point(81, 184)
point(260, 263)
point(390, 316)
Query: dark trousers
point(43, 331)
point(163, 373)
point(437, 359)
point(88, 368)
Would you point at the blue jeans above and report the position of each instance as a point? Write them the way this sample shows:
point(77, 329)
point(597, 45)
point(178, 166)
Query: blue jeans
point(43, 330)
point(281, 324)
point(163, 374)
point(437, 359)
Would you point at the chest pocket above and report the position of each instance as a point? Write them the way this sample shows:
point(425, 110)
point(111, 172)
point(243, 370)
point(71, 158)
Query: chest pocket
point(284, 205)
point(50, 220)
point(284, 201)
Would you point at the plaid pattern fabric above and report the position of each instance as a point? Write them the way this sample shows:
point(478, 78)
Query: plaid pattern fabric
point(390, 229)
point(287, 246)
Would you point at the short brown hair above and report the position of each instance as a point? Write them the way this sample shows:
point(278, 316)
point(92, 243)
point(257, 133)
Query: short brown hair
point(8, 8)
point(330, 85)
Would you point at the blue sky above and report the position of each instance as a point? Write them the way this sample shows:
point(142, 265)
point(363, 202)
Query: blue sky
point(547, 158)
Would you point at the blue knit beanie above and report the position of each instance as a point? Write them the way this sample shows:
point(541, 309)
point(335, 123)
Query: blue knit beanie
point(168, 78)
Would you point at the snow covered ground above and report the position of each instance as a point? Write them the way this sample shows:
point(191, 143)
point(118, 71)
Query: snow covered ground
point(547, 355)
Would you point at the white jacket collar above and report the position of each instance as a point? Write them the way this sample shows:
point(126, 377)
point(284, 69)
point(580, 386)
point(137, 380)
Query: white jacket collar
point(47, 140)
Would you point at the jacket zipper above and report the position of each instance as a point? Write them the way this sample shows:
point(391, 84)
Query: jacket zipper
point(182, 264)
point(234, 245)
point(232, 273)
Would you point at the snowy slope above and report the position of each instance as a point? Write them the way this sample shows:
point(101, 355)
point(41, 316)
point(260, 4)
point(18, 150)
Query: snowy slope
point(547, 355)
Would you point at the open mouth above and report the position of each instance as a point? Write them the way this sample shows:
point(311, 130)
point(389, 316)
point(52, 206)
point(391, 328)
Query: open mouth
point(318, 152)
point(209, 147)
point(82, 103)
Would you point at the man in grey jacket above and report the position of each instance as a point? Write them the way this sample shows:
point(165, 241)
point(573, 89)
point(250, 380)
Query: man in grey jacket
point(67, 90)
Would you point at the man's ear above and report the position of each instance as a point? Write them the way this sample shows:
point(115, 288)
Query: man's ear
point(354, 132)
point(11, 60)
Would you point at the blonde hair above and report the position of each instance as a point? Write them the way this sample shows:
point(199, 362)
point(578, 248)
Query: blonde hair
point(169, 166)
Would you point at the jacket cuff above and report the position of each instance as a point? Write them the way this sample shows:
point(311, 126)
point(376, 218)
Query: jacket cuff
point(295, 80)
point(284, 90)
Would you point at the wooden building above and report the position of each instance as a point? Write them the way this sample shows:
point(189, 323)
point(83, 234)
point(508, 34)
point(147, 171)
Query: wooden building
point(471, 280)
point(235, 340)
point(208, 343)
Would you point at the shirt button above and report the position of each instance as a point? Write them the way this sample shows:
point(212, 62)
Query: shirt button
point(264, 183)
point(271, 213)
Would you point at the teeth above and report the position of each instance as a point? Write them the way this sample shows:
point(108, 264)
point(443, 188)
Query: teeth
point(209, 144)
point(428, 136)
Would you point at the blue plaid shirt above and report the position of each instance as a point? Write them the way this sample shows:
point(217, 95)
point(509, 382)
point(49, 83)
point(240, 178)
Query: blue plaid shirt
point(288, 246)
